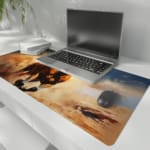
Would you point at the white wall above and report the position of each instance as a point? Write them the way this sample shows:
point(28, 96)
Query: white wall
point(136, 35)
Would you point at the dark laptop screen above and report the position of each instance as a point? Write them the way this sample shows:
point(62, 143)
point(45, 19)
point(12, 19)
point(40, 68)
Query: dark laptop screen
point(94, 31)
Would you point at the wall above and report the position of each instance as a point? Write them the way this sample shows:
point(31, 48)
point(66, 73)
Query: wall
point(135, 43)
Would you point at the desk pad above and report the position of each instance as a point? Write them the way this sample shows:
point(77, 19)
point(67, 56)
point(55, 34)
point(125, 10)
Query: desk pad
point(75, 99)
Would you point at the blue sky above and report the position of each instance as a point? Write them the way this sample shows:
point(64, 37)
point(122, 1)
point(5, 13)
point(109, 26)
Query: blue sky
point(127, 78)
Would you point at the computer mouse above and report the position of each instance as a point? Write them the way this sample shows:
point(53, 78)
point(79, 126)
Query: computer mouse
point(1, 105)
point(107, 99)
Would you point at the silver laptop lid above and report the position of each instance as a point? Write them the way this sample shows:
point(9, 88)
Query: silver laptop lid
point(94, 32)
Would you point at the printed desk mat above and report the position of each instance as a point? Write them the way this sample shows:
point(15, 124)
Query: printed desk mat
point(101, 109)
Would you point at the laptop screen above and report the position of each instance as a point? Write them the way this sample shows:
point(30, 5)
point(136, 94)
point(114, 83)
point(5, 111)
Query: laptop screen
point(94, 31)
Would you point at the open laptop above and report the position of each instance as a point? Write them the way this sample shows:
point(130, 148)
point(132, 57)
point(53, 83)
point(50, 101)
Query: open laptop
point(93, 43)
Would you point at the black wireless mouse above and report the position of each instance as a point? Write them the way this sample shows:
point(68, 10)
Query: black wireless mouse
point(107, 99)
point(1, 105)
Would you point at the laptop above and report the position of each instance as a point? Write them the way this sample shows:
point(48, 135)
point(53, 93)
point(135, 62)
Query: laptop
point(93, 44)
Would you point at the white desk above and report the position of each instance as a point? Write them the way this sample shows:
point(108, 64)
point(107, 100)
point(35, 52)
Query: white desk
point(67, 136)
point(15, 134)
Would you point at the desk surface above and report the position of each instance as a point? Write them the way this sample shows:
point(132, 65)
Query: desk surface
point(65, 95)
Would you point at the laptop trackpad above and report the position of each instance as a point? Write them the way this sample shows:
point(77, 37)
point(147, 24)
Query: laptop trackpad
point(67, 68)
point(61, 66)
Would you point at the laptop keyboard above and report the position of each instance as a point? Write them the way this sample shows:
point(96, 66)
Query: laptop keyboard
point(82, 62)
